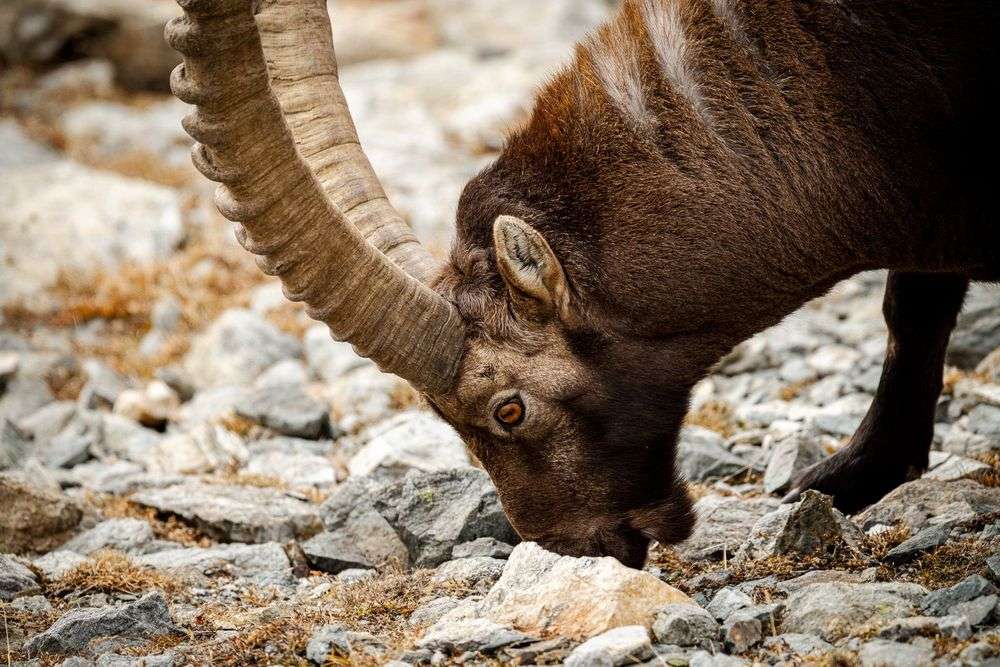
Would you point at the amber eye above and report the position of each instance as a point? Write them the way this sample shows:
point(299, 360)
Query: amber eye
point(510, 413)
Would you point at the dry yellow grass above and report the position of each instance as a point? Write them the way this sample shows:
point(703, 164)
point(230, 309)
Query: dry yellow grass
point(714, 415)
point(168, 528)
point(111, 572)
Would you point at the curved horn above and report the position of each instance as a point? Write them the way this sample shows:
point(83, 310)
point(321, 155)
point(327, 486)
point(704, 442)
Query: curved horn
point(284, 214)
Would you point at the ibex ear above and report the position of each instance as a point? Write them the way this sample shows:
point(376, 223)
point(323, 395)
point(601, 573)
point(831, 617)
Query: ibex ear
point(536, 280)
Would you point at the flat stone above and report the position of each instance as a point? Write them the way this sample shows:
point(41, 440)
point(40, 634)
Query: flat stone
point(145, 618)
point(810, 527)
point(297, 469)
point(626, 645)
point(702, 455)
point(413, 440)
point(205, 448)
point(34, 519)
point(924, 626)
point(475, 571)
point(940, 602)
point(33, 604)
point(262, 563)
point(685, 625)
point(727, 601)
point(433, 611)
point(15, 445)
point(705, 659)
point(235, 513)
point(286, 410)
point(57, 564)
point(790, 457)
point(925, 502)
point(476, 635)
point(977, 332)
point(925, 540)
point(977, 612)
point(947, 467)
point(883, 653)
point(482, 546)
point(832, 611)
point(131, 536)
point(16, 579)
point(335, 552)
point(723, 525)
point(797, 643)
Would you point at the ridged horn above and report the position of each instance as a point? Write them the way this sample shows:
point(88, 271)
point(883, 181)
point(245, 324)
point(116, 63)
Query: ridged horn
point(284, 214)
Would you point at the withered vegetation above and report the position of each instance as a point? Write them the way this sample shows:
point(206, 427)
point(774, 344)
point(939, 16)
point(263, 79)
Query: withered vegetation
point(166, 527)
point(715, 416)
point(111, 572)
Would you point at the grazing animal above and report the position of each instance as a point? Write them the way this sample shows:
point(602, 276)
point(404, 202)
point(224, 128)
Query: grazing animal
point(700, 170)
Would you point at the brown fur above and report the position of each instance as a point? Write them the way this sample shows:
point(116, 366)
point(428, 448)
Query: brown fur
point(803, 141)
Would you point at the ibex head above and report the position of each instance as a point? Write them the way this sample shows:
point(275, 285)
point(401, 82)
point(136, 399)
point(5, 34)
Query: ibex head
point(575, 426)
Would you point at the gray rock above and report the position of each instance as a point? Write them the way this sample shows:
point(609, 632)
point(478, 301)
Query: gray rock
point(15, 445)
point(883, 653)
point(925, 540)
point(947, 467)
point(742, 634)
point(819, 577)
point(131, 536)
point(984, 420)
point(727, 601)
point(33, 604)
point(723, 525)
point(925, 502)
point(334, 552)
point(287, 373)
point(332, 643)
point(21, 151)
point(685, 625)
point(15, 579)
point(235, 513)
point(797, 643)
point(478, 571)
point(978, 330)
point(702, 455)
point(413, 440)
point(57, 564)
point(925, 626)
point(328, 358)
point(790, 457)
point(810, 527)
point(297, 468)
point(431, 512)
point(286, 410)
point(262, 563)
point(831, 611)
point(145, 618)
point(482, 546)
point(705, 659)
point(103, 386)
point(621, 646)
point(977, 612)
point(355, 574)
point(168, 659)
point(941, 601)
point(238, 347)
point(433, 611)
point(477, 635)
point(204, 448)
point(34, 519)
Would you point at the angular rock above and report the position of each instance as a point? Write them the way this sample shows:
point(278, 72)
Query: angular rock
point(57, 564)
point(482, 546)
point(33, 519)
point(332, 643)
point(286, 410)
point(727, 601)
point(263, 563)
point(205, 448)
point(882, 653)
point(152, 406)
point(476, 635)
point(977, 612)
point(705, 659)
point(295, 466)
point(702, 455)
point(479, 571)
point(348, 512)
point(15, 579)
point(723, 525)
point(328, 358)
point(541, 593)
point(236, 348)
point(925, 502)
point(132, 221)
point(832, 611)
point(15, 445)
point(335, 552)
point(798, 643)
point(235, 513)
point(925, 626)
point(412, 440)
point(925, 540)
point(685, 625)
point(977, 332)
point(145, 618)
point(810, 527)
point(790, 457)
point(946, 467)
point(742, 634)
point(130, 536)
point(627, 645)
point(433, 611)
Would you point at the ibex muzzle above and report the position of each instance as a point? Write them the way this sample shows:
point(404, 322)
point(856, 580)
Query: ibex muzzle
point(700, 170)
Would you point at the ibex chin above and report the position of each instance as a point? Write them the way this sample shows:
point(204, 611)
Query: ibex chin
point(700, 170)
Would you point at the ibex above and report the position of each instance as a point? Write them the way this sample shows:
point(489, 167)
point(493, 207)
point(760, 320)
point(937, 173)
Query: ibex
point(700, 170)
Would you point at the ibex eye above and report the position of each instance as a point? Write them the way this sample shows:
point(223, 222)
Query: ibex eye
point(510, 413)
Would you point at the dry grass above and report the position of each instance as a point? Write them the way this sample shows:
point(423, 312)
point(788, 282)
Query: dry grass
point(715, 416)
point(111, 572)
point(948, 564)
point(165, 528)
point(792, 391)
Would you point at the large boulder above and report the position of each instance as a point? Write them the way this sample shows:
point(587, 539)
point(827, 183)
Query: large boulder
point(925, 502)
point(835, 610)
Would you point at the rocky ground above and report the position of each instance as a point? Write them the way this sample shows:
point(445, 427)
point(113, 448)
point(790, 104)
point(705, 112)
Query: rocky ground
point(192, 473)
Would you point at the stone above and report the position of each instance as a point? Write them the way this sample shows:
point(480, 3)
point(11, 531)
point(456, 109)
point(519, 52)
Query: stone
point(335, 552)
point(34, 519)
point(945, 467)
point(235, 513)
point(130, 536)
point(626, 645)
point(482, 546)
point(236, 348)
point(834, 610)
point(330, 359)
point(685, 625)
point(925, 540)
point(124, 438)
point(15, 445)
point(883, 653)
point(433, 611)
point(705, 659)
point(287, 373)
point(16, 579)
point(925, 626)
point(810, 527)
point(476, 635)
point(541, 593)
point(413, 440)
point(977, 612)
point(925, 502)
point(819, 577)
point(789, 458)
point(262, 563)
point(287, 411)
point(103, 385)
point(742, 634)
point(205, 448)
point(798, 643)
point(57, 564)
point(977, 332)
point(355, 574)
point(168, 659)
point(152, 407)
point(131, 222)
point(364, 397)
point(298, 463)
point(723, 525)
point(984, 420)
point(478, 571)
point(431, 512)
point(33, 604)
point(347, 512)
point(701, 455)
point(727, 601)
point(20, 151)
point(145, 618)
point(332, 643)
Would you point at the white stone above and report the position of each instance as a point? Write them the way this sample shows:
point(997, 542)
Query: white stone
point(412, 440)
